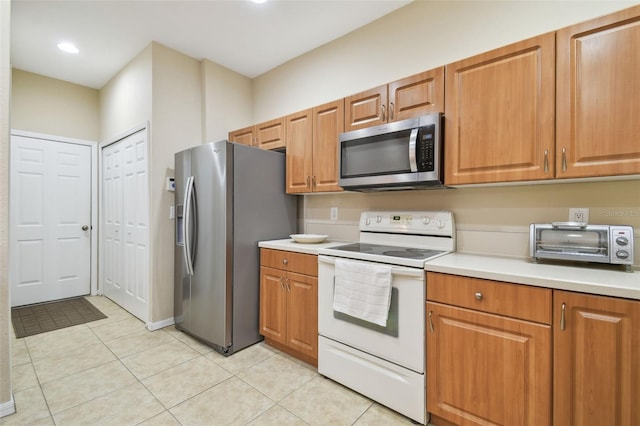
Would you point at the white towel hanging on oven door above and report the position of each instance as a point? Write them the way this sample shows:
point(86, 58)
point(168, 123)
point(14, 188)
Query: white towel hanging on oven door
point(362, 290)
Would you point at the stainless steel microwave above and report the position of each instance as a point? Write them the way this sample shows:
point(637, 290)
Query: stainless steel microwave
point(405, 154)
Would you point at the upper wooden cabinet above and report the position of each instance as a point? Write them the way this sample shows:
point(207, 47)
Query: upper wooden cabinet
point(245, 136)
point(596, 360)
point(270, 134)
point(267, 135)
point(299, 153)
point(410, 97)
point(312, 148)
point(597, 100)
point(499, 114)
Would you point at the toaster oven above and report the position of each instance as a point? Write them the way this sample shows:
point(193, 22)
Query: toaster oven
point(581, 242)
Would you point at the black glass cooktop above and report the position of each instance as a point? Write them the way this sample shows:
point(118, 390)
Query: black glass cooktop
point(393, 251)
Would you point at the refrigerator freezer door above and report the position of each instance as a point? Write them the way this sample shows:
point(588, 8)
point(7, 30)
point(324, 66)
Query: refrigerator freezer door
point(182, 281)
point(211, 282)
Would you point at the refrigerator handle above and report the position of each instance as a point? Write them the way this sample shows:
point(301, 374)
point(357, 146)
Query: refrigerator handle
point(188, 194)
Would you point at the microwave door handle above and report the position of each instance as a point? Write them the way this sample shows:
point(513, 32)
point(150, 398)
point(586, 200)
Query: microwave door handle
point(412, 150)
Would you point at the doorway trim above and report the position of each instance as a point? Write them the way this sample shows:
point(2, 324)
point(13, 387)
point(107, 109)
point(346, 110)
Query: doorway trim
point(94, 193)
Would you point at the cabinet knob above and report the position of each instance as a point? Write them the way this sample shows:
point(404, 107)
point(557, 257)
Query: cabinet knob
point(285, 261)
point(478, 296)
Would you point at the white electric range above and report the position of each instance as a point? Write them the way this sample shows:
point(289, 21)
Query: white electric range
point(385, 363)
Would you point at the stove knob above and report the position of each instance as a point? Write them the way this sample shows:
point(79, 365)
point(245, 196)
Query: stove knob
point(367, 221)
point(378, 219)
point(440, 224)
point(426, 220)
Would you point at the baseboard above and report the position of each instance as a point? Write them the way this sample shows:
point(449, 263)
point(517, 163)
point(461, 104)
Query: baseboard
point(153, 326)
point(7, 408)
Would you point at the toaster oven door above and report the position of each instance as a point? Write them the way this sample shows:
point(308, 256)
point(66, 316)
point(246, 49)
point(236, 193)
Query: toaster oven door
point(588, 244)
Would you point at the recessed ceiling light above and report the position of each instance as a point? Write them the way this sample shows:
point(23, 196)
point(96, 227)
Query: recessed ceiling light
point(68, 47)
point(258, 1)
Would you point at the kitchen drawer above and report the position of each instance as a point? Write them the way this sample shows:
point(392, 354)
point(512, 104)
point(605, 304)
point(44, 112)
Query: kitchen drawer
point(512, 300)
point(301, 263)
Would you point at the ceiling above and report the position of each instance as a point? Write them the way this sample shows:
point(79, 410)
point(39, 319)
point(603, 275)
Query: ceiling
point(248, 38)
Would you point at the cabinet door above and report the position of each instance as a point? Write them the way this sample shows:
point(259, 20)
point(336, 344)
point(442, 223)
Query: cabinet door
point(328, 123)
point(366, 109)
point(273, 304)
point(244, 136)
point(299, 128)
point(485, 369)
point(499, 114)
point(596, 360)
point(302, 315)
point(597, 97)
point(417, 95)
point(270, 134)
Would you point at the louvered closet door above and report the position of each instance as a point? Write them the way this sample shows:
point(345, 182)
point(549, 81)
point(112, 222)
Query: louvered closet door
point(125, 210)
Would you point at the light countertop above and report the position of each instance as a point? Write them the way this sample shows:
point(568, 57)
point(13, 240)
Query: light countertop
point(606, 280)
point(290, 245)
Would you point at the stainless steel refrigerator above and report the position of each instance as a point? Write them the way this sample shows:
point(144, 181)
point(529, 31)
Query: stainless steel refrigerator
point(228, 197)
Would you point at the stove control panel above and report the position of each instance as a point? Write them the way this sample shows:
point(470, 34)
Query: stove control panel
point(439, 223)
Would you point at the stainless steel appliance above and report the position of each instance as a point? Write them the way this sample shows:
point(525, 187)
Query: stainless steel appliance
point(401, 155)
point(384, 363)
point(577, 241)
point(228, 197)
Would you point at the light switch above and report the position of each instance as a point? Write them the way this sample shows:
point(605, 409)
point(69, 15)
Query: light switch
point(172, 212)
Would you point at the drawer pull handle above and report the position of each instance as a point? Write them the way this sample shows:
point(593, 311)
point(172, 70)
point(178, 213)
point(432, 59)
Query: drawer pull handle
point(431, 322)
point(478, 296)
point(563, 324)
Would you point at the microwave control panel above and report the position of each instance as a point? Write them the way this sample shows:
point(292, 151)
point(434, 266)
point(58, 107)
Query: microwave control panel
point(426, 148)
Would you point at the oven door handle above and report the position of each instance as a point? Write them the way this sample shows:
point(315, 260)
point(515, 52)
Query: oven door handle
point(395, 270)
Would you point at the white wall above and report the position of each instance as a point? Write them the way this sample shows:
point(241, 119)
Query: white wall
point(125, 101)
point(46, 105)
point(227, 101)
point(6, 399)
point(176, 124)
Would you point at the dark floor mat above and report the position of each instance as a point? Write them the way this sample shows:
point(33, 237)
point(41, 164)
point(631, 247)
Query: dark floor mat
point(43, 317)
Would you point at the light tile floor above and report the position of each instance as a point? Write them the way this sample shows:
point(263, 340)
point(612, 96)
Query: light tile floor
point(115, 372)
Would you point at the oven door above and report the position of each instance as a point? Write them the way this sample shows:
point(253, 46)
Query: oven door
point(401, 341)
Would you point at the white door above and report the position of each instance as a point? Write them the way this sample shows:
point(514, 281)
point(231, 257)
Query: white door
point(50, 220)
point(125, 212)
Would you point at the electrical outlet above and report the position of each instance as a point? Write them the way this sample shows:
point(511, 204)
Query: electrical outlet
point(579, 215)
point(334, 213)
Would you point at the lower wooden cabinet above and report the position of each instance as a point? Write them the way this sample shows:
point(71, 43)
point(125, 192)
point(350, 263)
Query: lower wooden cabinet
point(596, 360)
point(289, 302)
point(486, 368)
point(494, 359)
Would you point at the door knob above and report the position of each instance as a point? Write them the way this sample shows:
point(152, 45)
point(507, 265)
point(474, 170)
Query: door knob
point(85, 227)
